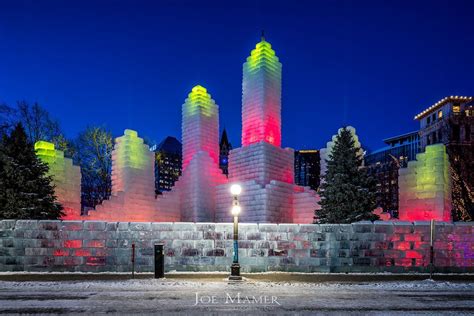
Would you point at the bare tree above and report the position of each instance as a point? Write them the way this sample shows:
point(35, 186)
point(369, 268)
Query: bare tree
point(93, 152)
point(39, 125)
point(37, 122)
point(7, 120)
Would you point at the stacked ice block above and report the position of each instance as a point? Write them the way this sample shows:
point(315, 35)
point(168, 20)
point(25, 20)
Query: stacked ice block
point(264, 169)
point(66, 178)
point(261, 96)
point(424, 186)
point(194, 193)
point(305, 203)
point(261, 162)
point(270, 203)
point(199, 125)
point(133, 183)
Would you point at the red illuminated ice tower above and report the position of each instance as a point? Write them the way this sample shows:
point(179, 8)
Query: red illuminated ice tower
point(261, 97)
point(261, 166)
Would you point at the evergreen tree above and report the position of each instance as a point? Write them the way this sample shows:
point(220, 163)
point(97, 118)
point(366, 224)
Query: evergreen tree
point(348, 193)
point(25, 188)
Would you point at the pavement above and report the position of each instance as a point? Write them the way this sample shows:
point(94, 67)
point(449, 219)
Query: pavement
point(213, 294)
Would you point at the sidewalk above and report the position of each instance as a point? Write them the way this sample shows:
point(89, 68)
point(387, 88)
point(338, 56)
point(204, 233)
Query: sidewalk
point(221, 276)
point(210, 294)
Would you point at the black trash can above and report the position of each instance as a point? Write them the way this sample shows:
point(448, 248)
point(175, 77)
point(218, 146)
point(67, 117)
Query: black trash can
point(159, 261)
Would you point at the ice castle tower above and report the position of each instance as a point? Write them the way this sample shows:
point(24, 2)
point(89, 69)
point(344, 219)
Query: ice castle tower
point(425, 186)
point(194, 193)
point(66, 178)
point(133, 183)
point(261, 166)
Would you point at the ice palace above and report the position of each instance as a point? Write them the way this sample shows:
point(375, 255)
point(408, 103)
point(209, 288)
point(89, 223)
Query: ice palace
point(261, 166)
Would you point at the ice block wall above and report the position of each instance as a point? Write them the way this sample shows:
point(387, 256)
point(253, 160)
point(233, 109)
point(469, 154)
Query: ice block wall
point(261, 162)
point(270, 203)
point(261, 96)
point(66, 178)
point(425, 186)
point(325, 152)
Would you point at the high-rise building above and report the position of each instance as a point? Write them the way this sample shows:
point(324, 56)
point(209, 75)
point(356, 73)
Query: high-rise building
point(383, 164)
point(168, 160)
point(307, 168)
point(450, 121)
point(224, 149)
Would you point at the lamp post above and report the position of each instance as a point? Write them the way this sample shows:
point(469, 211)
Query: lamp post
point(235, 190)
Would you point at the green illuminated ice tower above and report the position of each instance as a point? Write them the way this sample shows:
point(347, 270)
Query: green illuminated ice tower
point(133, 184)
point(425, 186)
point(201, 174)
point(66, 178)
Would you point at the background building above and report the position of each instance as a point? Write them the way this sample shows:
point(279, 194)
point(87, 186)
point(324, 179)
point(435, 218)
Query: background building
point(224, 149)
point(168, 158)
point(450, 121)
point(383, 165)
point(307, 168)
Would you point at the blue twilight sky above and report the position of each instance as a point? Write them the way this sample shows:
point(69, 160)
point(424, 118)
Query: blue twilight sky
point(131, 64)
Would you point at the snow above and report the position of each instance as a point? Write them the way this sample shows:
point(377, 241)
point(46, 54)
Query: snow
point(179, 296)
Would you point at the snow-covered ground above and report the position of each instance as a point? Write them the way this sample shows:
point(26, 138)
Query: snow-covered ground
point(149, 296)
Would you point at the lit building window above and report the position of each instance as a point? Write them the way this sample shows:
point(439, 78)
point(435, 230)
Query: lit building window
point(440, 115)
point(456, 108)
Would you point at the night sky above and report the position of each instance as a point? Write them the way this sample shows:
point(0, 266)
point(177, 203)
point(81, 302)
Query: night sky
point(131, 64)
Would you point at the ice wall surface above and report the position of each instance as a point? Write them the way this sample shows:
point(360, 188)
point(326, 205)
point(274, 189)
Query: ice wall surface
point(66, 178)
point(425, 186)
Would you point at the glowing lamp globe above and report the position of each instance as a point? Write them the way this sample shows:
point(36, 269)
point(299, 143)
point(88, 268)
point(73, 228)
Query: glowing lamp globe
point(235, 189)
point(236, 210)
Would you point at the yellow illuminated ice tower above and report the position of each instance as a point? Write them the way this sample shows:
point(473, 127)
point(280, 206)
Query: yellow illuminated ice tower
point(133, 184)
point(425, 186)
point(66, 178)
point(200, 125)
point(201, 173)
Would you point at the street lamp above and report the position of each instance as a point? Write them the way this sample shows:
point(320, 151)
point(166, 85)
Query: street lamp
point(235, 190)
